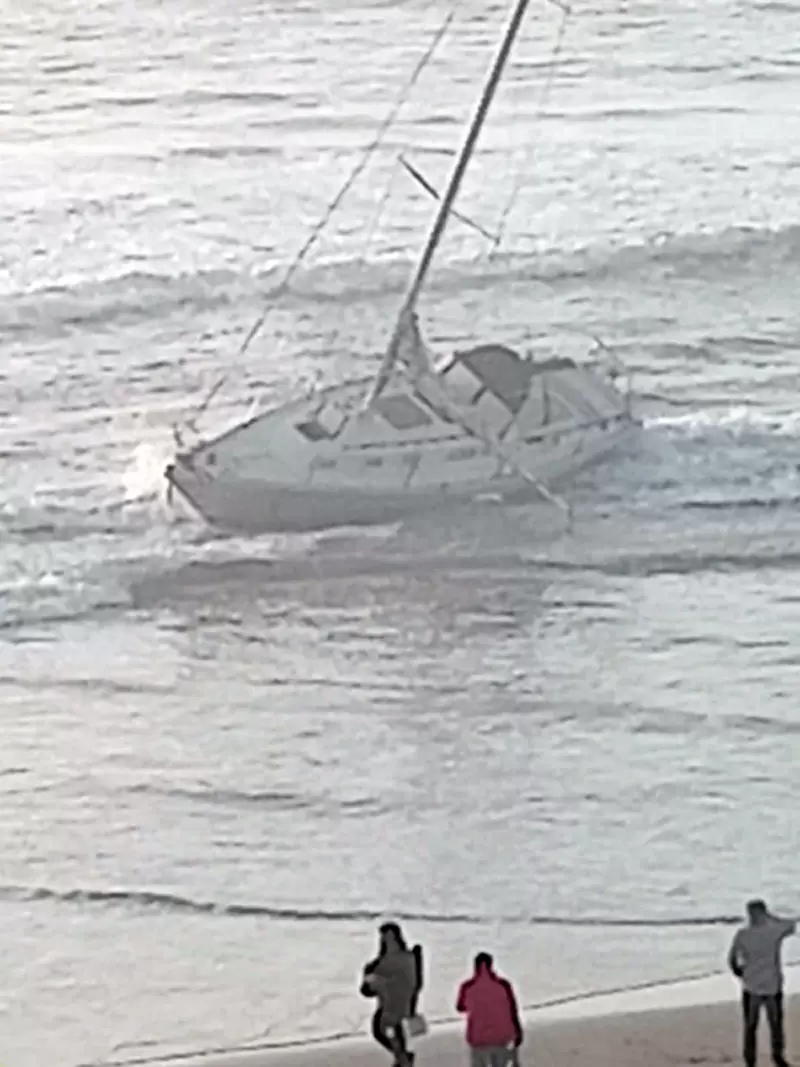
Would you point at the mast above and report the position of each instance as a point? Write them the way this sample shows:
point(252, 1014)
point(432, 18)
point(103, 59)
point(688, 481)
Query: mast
point(449, 197)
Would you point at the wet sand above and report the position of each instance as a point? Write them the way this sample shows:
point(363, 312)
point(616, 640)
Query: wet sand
point(586, 1034)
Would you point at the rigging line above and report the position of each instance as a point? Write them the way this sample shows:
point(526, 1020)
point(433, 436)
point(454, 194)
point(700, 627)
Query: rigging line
point(420, 178)
point(379, 211)
point(496, 241)
point(566, 11)
point(316, 232)
point(406, 317)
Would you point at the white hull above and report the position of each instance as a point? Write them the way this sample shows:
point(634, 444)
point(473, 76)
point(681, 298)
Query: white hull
point(355, 468)
point(256, 507)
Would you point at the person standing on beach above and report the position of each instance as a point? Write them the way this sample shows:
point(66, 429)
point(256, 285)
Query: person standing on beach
point(394, 978)
point(755, 959)
point(494, 1030)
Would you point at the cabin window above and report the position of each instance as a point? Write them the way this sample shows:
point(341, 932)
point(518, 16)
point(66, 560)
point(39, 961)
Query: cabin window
point(324, 464)
point(313, 430)
point(374, 462)
point(401, 412)
point(465, 452)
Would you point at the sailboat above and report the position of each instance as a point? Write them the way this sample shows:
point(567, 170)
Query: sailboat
point(425, 432)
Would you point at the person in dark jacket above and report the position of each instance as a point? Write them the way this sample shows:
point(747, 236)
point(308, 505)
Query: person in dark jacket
point(755, 959)
point(494, 1029)
point(394, 978)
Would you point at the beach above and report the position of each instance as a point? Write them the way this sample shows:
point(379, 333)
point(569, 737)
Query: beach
point(226, 760)
point(685, 1024)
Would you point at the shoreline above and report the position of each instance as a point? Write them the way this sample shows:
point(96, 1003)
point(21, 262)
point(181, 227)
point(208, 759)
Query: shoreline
point(692, 1021)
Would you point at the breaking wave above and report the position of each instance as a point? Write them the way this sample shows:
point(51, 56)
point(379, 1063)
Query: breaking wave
point(680, 562)
point(733, 472)
point(132, 296)
point(173, 902)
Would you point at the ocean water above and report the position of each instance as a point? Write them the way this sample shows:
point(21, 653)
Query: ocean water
point(223, 760)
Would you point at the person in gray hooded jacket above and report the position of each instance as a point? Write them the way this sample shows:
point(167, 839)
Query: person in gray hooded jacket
point(394, 978)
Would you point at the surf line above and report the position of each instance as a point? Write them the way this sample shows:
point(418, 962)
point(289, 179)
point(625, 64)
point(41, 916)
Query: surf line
point(258, 1044)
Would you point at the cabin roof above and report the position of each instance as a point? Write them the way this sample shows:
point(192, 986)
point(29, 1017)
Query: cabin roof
point(504, 372)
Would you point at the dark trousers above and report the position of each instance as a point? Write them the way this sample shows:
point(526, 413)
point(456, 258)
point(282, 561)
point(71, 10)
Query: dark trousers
point(751, 1012)
point(390, 1036)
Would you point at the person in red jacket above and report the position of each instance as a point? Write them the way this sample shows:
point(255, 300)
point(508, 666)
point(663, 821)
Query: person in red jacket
point(494, 1030)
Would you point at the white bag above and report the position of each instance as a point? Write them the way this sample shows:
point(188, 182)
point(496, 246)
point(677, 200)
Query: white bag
point(416, 1026)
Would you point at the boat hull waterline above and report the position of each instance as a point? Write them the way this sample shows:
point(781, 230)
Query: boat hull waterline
point(253, 508)
point(325, 461)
